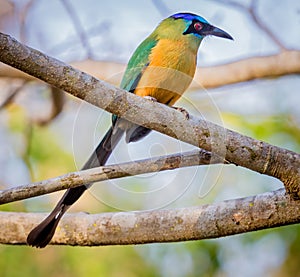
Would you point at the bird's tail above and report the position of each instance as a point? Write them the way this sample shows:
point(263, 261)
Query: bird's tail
point(41, 235)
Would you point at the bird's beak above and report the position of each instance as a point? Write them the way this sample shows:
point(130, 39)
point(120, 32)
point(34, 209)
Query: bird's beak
point(214, 31)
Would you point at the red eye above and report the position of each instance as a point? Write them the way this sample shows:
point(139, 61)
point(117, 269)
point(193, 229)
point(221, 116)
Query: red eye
point(198, 26)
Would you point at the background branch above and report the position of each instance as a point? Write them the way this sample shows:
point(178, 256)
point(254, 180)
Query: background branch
point(251, 10)
point(161, 7)
point(78, 27)
point(57, 104)
point(12, 95)
point(272, 66)
point(236, 148)
point(230, 217)
point(263, 26)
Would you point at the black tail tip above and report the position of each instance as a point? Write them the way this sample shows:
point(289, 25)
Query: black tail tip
point(42, 234)
point(38, 239)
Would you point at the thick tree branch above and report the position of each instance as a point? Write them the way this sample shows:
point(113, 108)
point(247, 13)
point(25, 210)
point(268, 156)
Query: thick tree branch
point(236, 148)
point(74, 179)
point(230, 217)
point(272, 66)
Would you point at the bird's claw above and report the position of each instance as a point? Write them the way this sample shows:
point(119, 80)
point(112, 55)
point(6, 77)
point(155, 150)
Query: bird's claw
point(150, 98)
point(183, 111)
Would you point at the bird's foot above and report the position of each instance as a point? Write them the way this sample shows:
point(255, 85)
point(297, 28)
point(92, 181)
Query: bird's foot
point(183, 111)
point(150, 98)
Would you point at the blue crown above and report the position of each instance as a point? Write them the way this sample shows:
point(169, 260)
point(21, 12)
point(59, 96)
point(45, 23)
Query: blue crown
point(189, 17)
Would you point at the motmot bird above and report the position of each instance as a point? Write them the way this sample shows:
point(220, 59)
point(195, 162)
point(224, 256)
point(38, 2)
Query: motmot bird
point(162, 67)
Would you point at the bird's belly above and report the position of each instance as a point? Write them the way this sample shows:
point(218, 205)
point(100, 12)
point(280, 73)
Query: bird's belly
point(166, 85)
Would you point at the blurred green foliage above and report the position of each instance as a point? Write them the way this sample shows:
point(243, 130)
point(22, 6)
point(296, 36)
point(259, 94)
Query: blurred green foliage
point(280, 129)
point(73, 261)
point(43, 155)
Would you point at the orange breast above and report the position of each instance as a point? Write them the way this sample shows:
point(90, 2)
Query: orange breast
point(170, 71)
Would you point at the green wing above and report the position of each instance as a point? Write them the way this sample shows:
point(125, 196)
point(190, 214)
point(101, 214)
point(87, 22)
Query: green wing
point(137, 64)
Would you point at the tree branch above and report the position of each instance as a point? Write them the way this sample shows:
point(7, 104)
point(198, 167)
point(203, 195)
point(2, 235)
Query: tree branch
point(74, 179)
point(230, 217)
point(236, 148)
point(248, 69)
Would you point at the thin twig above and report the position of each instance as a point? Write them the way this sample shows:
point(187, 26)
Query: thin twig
point(23, 17)
point(12, 95)
point(57, 104)
point(161, 7)
point(78, 27)
point(263, 26)
point(74, 179)
point(252, 11)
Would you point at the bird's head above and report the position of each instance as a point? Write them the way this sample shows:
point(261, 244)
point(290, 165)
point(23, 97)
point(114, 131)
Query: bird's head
point(188, 25)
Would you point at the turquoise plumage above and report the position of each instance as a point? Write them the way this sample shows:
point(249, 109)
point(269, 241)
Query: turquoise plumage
point(137, 63)
point(162, 67)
